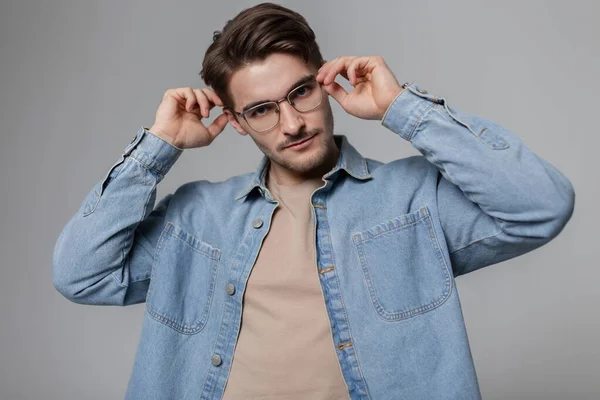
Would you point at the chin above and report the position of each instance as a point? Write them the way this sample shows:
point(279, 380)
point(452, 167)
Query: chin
point(309, 161)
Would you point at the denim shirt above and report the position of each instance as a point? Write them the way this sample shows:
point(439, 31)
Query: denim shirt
point(390, 239)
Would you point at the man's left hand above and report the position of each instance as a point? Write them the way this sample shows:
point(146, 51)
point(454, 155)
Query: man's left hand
point(375, 86)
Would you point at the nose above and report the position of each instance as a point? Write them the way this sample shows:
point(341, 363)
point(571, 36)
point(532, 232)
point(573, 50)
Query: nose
point(290, 120)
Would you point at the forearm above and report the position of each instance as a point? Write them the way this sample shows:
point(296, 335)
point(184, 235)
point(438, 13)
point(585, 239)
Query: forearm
point(91, 262)
point(525, 194)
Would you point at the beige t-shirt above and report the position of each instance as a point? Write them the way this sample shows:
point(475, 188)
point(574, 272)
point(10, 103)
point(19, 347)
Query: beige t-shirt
point(285, 349)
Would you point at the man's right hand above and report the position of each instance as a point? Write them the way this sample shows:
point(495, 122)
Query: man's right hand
point(178, 118)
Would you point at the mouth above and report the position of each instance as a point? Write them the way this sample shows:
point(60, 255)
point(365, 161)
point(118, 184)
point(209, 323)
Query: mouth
point(301, 144)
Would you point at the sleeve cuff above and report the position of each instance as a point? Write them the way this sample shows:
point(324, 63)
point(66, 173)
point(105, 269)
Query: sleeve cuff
point(152, 152)
point(406, 111)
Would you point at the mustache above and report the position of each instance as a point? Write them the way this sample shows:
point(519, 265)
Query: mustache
point(301, 137)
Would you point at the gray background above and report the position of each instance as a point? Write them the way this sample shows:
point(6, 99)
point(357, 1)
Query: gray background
point(78, 78)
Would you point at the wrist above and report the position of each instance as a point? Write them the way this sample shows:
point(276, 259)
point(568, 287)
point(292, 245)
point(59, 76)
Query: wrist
point(160, 134)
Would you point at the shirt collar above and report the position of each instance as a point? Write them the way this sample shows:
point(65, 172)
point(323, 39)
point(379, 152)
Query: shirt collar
point(349, 160)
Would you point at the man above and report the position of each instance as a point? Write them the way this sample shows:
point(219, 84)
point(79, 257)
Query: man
point(324, 274)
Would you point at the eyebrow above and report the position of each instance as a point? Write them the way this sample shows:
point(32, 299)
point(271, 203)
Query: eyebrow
point(299, 82)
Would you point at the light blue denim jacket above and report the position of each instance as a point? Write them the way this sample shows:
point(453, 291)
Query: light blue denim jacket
point(390, 239)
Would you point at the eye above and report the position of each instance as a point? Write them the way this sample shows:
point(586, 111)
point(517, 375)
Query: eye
point(303, 91)
point(258, 111)
point(261, 111)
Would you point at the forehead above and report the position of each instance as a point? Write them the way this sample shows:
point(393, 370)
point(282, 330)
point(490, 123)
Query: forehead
point(268, 79)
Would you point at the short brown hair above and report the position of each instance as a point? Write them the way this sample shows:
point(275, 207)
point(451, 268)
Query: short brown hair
point(252, 35)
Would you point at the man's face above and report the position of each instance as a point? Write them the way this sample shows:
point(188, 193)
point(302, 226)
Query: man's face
point(271, 80)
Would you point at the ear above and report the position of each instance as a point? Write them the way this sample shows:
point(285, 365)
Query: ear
point(234, 122)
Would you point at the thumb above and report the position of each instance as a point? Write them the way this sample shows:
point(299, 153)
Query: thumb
point(336, 91)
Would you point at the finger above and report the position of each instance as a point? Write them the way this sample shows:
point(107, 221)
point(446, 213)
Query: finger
point(187, 94)
point(344, 74)
point(217, 126)
point(212, 96)
point(333, 70)
point(337, 92)
point(356, 69)
point(326, 68)
point(178, 94)
point(203, 102)
point(322, 72)
point(339, 67)
point(323, 66)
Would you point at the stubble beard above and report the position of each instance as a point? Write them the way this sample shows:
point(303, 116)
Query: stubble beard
point(305, 164)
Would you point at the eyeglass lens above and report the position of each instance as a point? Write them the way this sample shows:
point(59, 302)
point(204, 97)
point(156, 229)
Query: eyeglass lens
point(265, 116)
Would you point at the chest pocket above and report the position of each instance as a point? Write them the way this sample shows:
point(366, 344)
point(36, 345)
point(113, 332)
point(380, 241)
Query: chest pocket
point(182, 281)
point(403, 267)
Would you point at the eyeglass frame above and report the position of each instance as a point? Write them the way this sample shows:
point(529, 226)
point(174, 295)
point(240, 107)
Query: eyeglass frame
point(276, 102)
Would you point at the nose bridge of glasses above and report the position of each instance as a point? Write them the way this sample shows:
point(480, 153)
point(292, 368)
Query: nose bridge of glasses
point(289, 101)
point(292, 117)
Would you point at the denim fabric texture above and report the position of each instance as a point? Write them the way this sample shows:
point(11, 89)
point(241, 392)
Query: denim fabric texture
point(390, 240)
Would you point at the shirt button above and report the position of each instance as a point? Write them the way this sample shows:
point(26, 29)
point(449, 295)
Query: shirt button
point(216, 359)
point(422, 91)
point(257, 223)
point(230, 289)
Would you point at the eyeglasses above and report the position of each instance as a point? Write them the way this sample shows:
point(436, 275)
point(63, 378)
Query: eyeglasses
point(265, 116)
